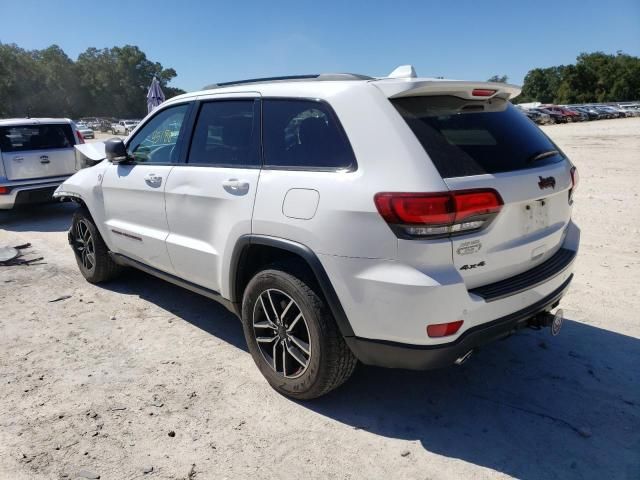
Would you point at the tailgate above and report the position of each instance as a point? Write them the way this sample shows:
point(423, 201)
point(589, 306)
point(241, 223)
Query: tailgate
point(487, 145)
point(528, 230)
point(37, 151)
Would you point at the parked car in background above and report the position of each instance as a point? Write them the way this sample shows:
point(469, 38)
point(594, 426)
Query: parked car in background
point(105, 124)
point(570, 114)
point(631, 110)
point(85, 131)
point(591, 113)
point(555, 116)
point(584, 116)
point(36, 156)
point(603, 112)
point(124, 127)
point(538, 117)
point(622, 112)
point(612, 112)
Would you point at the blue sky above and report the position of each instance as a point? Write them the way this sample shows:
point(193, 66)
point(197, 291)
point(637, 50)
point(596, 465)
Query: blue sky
point(209, 42)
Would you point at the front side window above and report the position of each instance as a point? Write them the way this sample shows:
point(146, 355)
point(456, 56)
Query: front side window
point(226, 134)
point(36, 137)
point(304, 134)
point(156, 142)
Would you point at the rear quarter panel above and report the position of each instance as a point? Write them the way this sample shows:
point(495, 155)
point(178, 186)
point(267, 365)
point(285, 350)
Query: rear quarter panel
point(346, 222)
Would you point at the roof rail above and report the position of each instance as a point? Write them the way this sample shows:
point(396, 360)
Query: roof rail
point(293, 78)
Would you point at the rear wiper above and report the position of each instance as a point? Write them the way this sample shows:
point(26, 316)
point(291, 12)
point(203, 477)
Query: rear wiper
point(540, 156)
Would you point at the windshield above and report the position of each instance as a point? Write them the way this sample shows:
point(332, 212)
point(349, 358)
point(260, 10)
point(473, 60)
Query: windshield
point(471, 137)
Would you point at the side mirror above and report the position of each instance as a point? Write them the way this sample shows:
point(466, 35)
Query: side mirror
point(115, 151)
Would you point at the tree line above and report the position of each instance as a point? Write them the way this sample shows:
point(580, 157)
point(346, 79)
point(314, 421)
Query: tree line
point(113, 82)
point(594, 78)
point(109, 82)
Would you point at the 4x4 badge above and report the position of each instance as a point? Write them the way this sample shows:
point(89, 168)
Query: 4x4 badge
point(473, 265)
point(546, 182)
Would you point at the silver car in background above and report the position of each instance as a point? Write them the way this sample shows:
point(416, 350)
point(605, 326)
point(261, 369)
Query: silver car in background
point(36, 155)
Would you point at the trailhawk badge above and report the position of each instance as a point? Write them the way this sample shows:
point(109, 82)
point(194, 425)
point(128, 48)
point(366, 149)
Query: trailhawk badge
point(467, 248)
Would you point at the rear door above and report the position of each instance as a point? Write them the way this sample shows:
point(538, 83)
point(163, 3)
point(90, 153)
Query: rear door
point(489, 144)
point(39, 150)
point(134, 193)
point(209, 199)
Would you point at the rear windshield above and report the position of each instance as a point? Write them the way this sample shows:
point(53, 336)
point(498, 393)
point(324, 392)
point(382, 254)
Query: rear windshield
point(35, 137)
point(471, 137)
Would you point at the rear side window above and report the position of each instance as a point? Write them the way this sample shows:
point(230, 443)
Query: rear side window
point(226, 134)
point(36, 137)
point(471, 137)
point(305, 135)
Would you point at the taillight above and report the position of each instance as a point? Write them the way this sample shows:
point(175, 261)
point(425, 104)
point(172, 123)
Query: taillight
point(575, 179)
point(4, 190)
point(419, 215)
point(444, 329)
point(80, 137)
point(482, 92)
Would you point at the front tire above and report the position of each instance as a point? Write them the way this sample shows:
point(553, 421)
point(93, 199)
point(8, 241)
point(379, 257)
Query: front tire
point(92, 254)
point(293, 337)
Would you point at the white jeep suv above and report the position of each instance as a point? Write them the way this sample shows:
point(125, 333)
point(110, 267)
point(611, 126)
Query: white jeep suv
point(399, 221)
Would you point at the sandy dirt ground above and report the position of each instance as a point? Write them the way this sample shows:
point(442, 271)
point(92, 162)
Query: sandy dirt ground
point(141, 376)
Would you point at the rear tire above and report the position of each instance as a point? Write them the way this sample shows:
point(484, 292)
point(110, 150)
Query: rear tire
point(305, 358)
point(92, 254)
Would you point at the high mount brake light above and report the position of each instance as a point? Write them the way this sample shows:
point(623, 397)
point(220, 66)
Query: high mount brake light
point(482, 92)
point(422, 215)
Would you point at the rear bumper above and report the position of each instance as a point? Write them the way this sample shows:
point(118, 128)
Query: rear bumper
point(26, 193)
point(423, 357)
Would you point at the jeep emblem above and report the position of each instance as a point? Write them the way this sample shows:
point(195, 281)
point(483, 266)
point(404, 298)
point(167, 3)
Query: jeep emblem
point(546, 182)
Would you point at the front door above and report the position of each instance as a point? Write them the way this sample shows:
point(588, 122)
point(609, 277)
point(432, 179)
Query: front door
point(210, 197)
point(134, 192)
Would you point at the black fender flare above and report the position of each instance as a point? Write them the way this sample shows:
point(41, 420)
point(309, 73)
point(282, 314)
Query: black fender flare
point(307, 255)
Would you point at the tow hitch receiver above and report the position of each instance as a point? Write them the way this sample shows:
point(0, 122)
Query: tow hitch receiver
point(548, 319)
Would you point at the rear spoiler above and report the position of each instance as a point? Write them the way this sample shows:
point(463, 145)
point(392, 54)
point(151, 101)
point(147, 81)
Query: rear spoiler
point(415, 87)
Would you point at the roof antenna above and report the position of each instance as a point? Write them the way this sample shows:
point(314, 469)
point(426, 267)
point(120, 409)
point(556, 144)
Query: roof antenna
point(403, 71)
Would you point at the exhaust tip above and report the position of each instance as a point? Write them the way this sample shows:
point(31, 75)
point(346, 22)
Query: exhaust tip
point(464, 358)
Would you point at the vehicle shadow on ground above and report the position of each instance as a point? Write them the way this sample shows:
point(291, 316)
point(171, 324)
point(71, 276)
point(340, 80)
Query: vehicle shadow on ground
point(202, 312)
point(533, 406)
point(49, 217)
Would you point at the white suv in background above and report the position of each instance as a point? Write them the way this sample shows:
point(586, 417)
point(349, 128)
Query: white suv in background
point(399, 221)
point(123, 127)
point(36, 156)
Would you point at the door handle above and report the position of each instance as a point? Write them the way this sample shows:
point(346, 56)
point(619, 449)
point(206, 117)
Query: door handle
point(235, 186)
point(153, 180)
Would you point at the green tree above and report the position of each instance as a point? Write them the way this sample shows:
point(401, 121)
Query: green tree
point(116, 80)
point(106, 82)
point(499, 79)
point(595, 77)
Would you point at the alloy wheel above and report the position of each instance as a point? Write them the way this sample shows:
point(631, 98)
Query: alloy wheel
point(281, 333)
point(84, 245)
